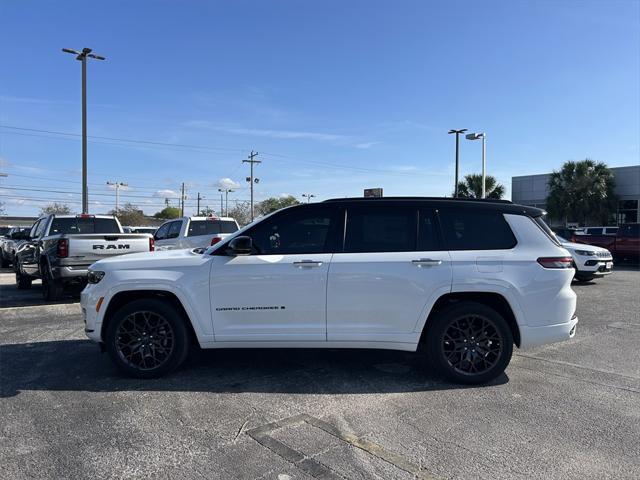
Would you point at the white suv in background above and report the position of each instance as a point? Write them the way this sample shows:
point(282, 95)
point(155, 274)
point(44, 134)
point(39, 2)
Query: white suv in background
point(590, 261)
point(459, 281)
point(193, 232)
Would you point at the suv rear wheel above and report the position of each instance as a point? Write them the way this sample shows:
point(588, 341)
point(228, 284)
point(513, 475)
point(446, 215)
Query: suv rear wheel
point(469, 342)
point(147, 338)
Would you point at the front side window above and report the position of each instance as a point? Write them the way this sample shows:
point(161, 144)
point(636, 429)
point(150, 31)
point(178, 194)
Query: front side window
point(162, 232)
point(476, 230)
point(428, 231)
point(630, 231)
point(296, 231)
point(380, 229)
point(174, 229)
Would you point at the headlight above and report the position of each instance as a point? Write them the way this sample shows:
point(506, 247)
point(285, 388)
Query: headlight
point(94, 276)
point(587, 253)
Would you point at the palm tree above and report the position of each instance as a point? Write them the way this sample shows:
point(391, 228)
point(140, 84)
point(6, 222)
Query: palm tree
point(582, 191)
point(471, 187)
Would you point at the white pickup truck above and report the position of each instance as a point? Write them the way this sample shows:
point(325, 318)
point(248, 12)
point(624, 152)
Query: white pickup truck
point(193, 232)
point(60, 249)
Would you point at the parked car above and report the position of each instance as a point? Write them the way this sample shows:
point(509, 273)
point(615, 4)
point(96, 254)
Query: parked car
point(149, 230)
point(9, 244)
point(459, 281)
point(625, 244)
point(600, 230)
point(60, 249)
point(590, 261)
point(193, 232)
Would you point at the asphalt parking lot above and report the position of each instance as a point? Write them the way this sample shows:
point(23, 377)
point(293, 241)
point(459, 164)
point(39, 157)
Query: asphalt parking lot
point(568, 410)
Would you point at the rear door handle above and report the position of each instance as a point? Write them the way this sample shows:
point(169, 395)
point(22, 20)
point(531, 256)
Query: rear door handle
point(426, 262)
point(307, 263)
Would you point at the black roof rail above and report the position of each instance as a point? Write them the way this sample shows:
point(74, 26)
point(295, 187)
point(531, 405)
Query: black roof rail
point(458, 199)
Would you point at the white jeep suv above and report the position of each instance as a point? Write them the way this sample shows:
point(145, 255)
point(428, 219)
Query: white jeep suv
point(458, 281)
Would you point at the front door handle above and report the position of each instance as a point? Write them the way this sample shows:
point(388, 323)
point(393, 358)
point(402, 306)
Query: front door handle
point(426, 262)
point(307, 263)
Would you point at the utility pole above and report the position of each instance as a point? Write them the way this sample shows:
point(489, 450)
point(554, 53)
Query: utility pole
point(250, 179)
point(457, 132)
point(182, 201)
point(226, 199)
point(82, 56)
point(198, 209)
point(308, 196)
point(117, 185)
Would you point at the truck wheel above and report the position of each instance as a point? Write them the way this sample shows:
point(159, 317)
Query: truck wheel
point(469, 342)
point(147, 338)
point(52, 289)
point(22, 282)
point(5, 262)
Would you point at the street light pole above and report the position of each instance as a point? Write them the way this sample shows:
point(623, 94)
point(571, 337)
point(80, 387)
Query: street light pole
point(82, 56)
point(308, 196)
point(483, 136)
point(226, 199)
point(117, 185)
point(457, 132)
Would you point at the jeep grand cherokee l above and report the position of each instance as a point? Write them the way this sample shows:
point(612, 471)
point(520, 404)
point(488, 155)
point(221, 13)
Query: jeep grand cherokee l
point(458, 281)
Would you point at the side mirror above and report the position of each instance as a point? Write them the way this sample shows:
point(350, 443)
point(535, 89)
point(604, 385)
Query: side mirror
point(240, 246)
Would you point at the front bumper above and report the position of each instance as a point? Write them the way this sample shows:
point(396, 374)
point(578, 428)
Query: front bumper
point(595, 266)
point(92, 320)
point(535, 336)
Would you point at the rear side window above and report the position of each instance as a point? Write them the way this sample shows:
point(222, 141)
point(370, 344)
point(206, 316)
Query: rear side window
point(380, 230)
point(611, 230)
point(211, 227)
point(476, 230)
point(594, 231)
point(83, 225)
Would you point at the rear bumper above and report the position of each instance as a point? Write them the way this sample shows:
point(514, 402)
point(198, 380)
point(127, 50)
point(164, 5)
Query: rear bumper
point(535, 336)
point(70, 272)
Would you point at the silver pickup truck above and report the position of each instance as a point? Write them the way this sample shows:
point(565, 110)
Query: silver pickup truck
point(60, 249)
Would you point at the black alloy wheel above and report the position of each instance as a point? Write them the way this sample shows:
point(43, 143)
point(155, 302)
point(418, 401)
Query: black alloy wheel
point(469, 342)
point(147, 338)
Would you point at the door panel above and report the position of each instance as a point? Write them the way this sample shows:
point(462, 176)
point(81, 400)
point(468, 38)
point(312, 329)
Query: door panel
point(269, 297)
point(382, 296)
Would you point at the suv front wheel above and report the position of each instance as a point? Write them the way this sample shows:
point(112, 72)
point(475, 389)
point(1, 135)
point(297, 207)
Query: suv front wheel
point(147, 338)
point(469, 342)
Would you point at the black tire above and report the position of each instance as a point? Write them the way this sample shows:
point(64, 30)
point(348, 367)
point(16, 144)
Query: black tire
point(52, 289)
point(460, 324)
point(5, 262)
point(156, 357)
point(22, 281)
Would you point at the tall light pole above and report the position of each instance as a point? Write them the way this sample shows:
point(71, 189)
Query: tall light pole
point(483, 136)
point(308, 196)
point(117, 186)
point(457, 132)
point(82, 56)
point(226, 199)
point(250, 179)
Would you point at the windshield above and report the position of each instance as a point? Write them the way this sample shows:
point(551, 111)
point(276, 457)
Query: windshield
point(83, 225)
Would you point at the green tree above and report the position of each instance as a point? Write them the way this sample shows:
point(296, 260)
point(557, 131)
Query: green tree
point(272, 204)
point(582, 192)
point(207, 212)
point(168, 213)
point(55, 208)
point(241, 212)
point(129, 214)
point(471, 187)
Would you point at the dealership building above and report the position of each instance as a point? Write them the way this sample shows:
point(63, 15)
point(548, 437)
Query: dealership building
point(533, 190)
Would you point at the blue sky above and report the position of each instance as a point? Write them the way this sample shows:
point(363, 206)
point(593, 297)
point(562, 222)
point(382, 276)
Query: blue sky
point(335, 96)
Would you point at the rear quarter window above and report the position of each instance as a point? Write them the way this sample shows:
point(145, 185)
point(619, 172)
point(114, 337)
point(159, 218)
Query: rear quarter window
point(476, 230)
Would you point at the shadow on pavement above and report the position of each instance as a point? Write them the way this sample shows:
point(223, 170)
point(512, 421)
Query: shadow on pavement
point(10, 296)
point(77, 365)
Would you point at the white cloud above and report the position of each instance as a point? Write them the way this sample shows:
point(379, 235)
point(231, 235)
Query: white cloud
point(227, 184)
point(166, 193)
point(284, 134)
point(366, 144)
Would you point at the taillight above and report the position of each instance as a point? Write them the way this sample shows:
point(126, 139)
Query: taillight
point(215, 240)
point(556, 262)
point(152, 244)
point(63, 248)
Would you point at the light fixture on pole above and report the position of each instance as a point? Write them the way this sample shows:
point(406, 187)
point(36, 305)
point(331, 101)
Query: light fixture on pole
point(457, 132)
point(117, 186)
point(308, 196)
point(82, 56)
point(483, 136)
point(226, 199)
